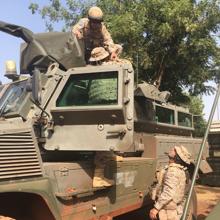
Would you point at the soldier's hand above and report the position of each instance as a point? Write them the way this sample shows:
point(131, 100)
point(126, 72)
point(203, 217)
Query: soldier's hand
point(5, 218)
point(153, 213)
point(78, 35)
point(113, 56)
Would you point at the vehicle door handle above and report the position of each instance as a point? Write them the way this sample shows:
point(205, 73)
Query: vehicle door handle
point(120, 132)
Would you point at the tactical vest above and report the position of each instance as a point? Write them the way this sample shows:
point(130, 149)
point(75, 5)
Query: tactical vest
point(92, 38)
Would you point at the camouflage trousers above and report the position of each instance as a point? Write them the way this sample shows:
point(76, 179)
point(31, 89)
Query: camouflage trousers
point(103, 157)
point(165, 214)
point(100, 161)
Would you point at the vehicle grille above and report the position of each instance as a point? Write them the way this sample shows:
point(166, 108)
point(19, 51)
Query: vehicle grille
point(18, 156)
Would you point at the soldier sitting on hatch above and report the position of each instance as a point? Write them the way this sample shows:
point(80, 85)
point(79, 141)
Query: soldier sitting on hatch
point(103, 91)
point(169, 194)
point(100, 56)
point(94, 33)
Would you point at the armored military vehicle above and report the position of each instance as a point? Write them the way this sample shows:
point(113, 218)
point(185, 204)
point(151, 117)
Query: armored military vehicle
point(55, 122)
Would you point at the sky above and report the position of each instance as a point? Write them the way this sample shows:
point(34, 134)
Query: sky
point(17, 12)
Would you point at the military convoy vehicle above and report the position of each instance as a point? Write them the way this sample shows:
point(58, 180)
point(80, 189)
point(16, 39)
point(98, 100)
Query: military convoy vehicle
point(54, 122)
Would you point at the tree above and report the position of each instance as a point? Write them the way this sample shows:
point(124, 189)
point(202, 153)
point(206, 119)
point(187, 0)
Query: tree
point(196, 107)
point(65, 11)
point(175, 41)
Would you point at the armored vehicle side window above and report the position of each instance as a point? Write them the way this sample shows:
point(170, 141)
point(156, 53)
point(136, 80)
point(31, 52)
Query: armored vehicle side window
point(13, 97)
point(184, 119)
point(164, 115)
point(90, 89)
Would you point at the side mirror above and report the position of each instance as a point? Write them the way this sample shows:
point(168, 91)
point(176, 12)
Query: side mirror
point(34, 86)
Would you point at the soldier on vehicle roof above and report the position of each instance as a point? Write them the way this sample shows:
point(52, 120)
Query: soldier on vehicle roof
point(95, 33)
point(169, 194)
point(104, 91)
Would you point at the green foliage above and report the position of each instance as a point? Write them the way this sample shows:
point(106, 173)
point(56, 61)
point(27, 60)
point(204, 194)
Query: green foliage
point(67, 12)
point(174, 41)
point(196, 107)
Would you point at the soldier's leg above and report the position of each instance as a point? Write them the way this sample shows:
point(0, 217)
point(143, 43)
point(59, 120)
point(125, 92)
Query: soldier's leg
point(172, 215)
point(87, 54)
point(163, 214)
point(115, 157)
point(118, 49)
point(180, 208)
point(6, 218)
point(101, 159)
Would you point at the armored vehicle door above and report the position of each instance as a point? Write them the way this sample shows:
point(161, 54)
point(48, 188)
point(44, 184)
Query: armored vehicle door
point(92, 110)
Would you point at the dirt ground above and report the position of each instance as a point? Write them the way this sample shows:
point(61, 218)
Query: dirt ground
point(207, 199)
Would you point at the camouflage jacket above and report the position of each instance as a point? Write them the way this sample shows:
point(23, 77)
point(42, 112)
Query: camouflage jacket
point(94, 38)
point(172, 188)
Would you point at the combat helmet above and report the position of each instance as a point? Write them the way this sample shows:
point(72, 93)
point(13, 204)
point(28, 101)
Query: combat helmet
point(95, 13)
point(183, 153)
point(98, 54)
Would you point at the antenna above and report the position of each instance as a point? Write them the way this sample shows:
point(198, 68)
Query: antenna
point(137, 70)
point(184, 216)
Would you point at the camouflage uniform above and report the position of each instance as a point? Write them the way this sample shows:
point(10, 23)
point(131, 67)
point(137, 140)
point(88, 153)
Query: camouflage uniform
point(171, 194)
point(101, 160)
point(104, 91)
point(95, 37)
point(99, 56)
point(5, 218)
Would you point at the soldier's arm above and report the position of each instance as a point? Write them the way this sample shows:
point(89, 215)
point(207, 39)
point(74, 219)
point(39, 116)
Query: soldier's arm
point(171, 181)
point(77, 29)
point(108, 42)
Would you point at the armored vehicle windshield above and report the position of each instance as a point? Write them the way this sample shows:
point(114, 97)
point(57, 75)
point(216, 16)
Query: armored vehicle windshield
point(13, 96)
point(90, 89)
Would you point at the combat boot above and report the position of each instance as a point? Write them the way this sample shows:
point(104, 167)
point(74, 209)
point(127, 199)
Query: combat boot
point(100, 181)
point(118, 158)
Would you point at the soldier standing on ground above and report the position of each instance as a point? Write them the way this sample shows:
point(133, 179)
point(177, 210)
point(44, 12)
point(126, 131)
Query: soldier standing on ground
point(94, 33)
point(171, 188)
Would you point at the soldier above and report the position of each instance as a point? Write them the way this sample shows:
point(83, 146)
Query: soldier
point(5, 218)
point(170, 191)
point(94, 33)
point(102, 91)
point(101, 159)
point(105, 92)
point(101, 56)
point(98, 56)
